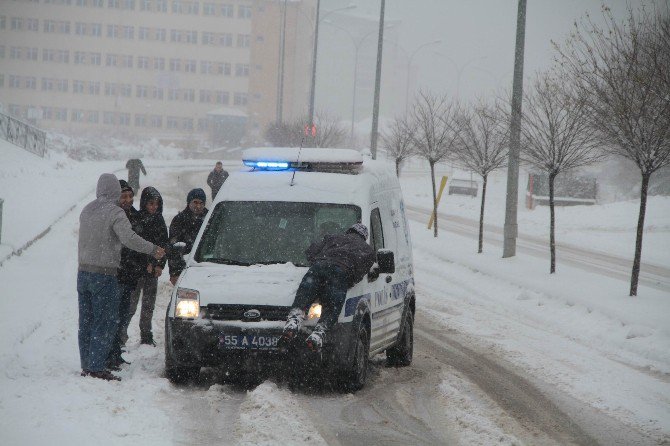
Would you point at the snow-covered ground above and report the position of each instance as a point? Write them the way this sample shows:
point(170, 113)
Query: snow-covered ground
point(577, 332)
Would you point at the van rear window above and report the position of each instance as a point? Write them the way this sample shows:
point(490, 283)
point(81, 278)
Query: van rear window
point(265, 232)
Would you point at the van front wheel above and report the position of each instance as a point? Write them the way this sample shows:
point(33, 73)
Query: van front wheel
point(400, 355)
point(357, 375)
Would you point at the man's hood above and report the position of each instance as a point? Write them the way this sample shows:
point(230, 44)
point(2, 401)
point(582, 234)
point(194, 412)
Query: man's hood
point(108, 187)
point(150, 193)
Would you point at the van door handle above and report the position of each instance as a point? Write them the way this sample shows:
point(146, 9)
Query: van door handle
point(388, 279)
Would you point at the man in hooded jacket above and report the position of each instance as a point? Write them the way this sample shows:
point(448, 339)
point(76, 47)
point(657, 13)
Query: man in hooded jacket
point(103, 229)
point(184, 228)
point(151, 227)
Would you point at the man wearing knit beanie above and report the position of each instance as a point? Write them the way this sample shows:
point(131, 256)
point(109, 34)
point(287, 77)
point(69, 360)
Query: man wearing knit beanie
point(184, 228)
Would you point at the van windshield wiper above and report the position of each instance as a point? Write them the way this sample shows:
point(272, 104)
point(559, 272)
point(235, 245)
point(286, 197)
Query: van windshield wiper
point(228, 262)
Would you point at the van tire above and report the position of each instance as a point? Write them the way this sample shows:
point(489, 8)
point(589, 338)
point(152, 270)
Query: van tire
point(356, 376)
point(400, 355)
point(182, 375)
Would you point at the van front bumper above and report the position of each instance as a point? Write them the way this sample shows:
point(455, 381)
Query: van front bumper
point(198, 343)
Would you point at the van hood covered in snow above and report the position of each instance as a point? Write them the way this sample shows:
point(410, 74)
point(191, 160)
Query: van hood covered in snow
point(248, 285)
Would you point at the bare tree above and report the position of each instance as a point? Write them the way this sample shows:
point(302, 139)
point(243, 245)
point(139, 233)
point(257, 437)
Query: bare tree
point(291, 133)
point(435, 133)
point(556, 137)
point(399, 142)
point(621, 71)
point(482, 147)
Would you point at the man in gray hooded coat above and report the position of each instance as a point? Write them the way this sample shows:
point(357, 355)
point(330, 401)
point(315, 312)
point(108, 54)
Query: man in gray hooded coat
point(103, 229)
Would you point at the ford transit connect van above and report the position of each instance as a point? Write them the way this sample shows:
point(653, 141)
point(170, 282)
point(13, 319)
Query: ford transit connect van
point(229, 305)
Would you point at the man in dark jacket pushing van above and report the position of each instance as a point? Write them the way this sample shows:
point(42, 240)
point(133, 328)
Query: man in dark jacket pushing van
point(339, 261)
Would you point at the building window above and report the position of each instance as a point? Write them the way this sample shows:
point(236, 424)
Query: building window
point(209, 8)
point(159, 63)
point(92, 117)
point(140, 120)
point(79, 30)
point(161, 5)
point(60, 114)
point(96, 29)
point(244, 12)
point(77, 87)
point(112, 31)
point(142, 91)
point(143, 62)
point(156, 121)
point(243, 40)
point(31, 82)
point(96, 58)
point(226, 40)
point(61, 85)
point(47, 84)
point(227, 10)
point(128, 32)
point(77, 115)
point(110, 60)
point(17, 24)
point(126, 90)
point(124, 118)
point(94, 88)
point(206, 67)
point(205, 96)
point(172, 122)
point(175, 64)
point(240, 99)
point(110, 89)
point(157, 93)
point(242, 70)
point(190, 66)
point(34, 25)
point(187, 124)
point(143, 33)
point(222, 97)
point(108, 118)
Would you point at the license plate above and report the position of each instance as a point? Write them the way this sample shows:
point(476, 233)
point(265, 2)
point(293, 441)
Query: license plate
point(248, 341)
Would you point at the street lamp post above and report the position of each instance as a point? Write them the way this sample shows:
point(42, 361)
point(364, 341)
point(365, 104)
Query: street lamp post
point(357, 46)
point(378, 78)
point(314, 55)
point(409, 67)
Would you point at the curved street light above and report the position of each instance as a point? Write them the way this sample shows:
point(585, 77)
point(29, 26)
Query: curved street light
point(316, 46)
point(409, 66)
point(459, 70)
point(357, 45)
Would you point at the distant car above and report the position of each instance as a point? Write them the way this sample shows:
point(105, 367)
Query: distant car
point(229, 306)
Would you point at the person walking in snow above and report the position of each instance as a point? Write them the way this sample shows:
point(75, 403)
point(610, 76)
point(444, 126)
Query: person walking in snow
point(130, 270)
point(134, 166)
point(151, 227)
point(103, 229)
point(338, 262)
point(184, 228)
point(216, 178)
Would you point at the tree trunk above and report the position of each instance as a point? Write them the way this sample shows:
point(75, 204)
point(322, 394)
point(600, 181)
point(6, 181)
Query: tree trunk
point(640, 230)
point(552, 224)
point(432, 177)
point(481, 215)
point(397, 167)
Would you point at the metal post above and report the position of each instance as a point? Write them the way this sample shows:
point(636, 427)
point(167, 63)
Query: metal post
point(353, 100)
point(378, 78)
point(1, 202)
point(282, 57)
point(510, 229)
point(316, 45)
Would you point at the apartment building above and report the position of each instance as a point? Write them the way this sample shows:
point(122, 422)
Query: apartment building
point(189, 71)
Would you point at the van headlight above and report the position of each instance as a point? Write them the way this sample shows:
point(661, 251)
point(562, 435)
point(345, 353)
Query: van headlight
point(314, 311)
point(188, 303)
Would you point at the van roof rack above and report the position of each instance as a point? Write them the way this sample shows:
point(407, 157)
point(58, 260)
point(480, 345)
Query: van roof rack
point(309, 159)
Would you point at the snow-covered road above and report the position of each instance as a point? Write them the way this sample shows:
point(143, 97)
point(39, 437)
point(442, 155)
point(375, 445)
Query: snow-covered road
point(504, 354)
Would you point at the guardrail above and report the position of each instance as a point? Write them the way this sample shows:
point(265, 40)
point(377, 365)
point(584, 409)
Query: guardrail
point(23, 134)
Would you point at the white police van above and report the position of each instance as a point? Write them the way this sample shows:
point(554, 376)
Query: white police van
point(229, 305)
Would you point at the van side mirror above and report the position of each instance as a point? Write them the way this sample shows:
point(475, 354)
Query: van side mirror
point(385, 261)
point(179, 247)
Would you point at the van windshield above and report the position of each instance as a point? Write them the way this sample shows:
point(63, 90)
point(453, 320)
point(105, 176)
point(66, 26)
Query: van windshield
point(265, 232)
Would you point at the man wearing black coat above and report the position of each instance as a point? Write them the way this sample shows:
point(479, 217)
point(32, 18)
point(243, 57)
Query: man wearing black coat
point(216, 178)
point(339, 261)
point(129, 272)
point(184, 228)
point(134, 166)
point(152, 227)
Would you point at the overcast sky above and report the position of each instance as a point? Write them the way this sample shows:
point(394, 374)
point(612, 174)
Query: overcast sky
point(477, 37)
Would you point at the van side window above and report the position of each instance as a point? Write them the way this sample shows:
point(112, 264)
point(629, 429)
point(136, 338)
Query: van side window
point(377, 236)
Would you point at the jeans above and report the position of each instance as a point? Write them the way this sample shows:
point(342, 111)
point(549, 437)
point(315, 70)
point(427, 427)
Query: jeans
point(327, 283)
point(98, 318)
point(125, 292)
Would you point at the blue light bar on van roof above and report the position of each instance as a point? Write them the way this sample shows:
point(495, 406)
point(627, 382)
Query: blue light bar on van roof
point(269, 165)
